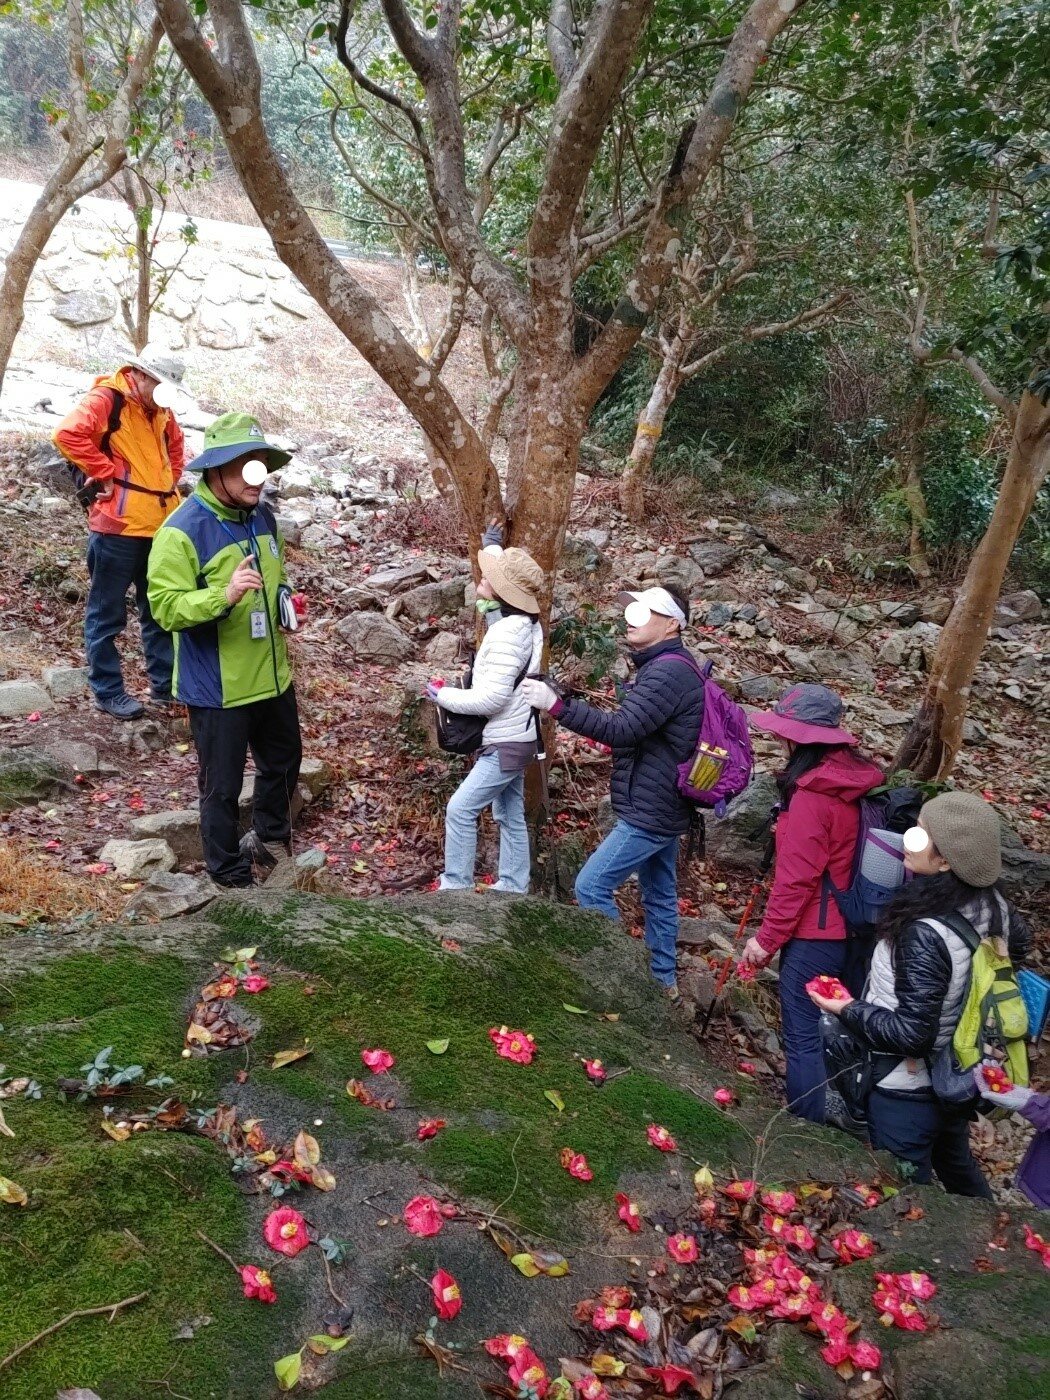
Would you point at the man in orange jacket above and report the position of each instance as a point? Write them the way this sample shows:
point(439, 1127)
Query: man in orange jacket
point(130, 449)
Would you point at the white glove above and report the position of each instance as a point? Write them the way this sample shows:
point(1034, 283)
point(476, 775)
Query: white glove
point(1014, 1099)
point(539, 695)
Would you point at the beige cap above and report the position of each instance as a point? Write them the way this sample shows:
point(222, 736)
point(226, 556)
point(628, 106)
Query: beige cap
point(515, 577)
point(966, 831)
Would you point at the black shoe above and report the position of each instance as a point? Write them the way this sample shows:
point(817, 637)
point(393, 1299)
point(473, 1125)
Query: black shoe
point(161, 697)
point(122, 707)
point(260, 854)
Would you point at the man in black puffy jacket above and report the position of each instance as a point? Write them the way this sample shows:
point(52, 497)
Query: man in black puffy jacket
point(654, 730)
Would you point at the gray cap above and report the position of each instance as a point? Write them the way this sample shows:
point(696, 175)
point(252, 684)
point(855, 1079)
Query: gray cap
point(966, 831)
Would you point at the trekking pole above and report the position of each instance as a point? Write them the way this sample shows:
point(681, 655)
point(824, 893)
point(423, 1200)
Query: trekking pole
point(723, 976)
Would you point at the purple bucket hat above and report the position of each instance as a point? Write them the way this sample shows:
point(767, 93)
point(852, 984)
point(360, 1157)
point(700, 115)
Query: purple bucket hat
point(807, 714)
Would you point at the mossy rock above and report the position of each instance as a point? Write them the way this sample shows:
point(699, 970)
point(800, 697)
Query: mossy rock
point(107, 1220)
point(27, 775)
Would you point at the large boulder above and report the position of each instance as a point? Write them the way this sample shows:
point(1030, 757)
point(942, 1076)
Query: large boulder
point(65, 682)
point(138, 860)
point(371, 637)
point(22, 697)
point(181, 829)
point(85, 308)
point(167, 896)
point(435, 599)
point(1025, 606)
point(683, 574)
point(827, 664)
point(739, 838)
point(396, 580)
point(714, 556)
point(29, 775)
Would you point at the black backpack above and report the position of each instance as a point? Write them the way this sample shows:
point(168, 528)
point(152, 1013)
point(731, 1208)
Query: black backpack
point(85, 487)
point(463, 733)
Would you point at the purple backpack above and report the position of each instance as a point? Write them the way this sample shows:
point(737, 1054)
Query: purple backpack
point(722, 762)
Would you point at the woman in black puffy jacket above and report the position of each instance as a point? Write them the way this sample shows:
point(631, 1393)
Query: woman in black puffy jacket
point(919, 976)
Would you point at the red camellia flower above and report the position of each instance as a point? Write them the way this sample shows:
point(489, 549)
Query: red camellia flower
point(529, 1374)
point(628, 1319)
point(746, 971)
point(628, 1212)
point(257, 1284)
point(914, 1284)
point(724, 1097)
point(683, 1248)
point(829, 987)
point(590, 1388)
point(795, 1306)
point(661, 1138)
point(746, 1067)
point(707, 1209)
point(851, 1245)
point(255, 982)
point(787, 1233)
point(513, 1045)
point(783, 1202)
point(447, 1297)
point(830, 1319)
point(595, 1070)
point(670, 1378)
point(1035, 1242)
point(378, 1061)
point(866, 1356)
point(285, 1231)
point(575, 1163)
point(869, 1196)
point(225, 987)
point(506, 1346)
point(837, 1349)
point(741, 1189)
point(895, 1310)
point(423, 1216)
point(430, 1127)
point(289, 1171)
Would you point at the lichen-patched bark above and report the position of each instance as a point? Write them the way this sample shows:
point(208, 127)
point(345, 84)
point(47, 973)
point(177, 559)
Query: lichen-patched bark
point(933, 741)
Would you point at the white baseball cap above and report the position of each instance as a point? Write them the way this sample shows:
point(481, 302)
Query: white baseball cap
point(159, 363)
point(657, 600)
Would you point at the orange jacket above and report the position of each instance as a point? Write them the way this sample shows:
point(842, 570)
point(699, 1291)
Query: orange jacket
point(147, 449)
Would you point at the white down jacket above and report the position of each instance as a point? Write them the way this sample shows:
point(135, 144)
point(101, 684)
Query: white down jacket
point(510, 645)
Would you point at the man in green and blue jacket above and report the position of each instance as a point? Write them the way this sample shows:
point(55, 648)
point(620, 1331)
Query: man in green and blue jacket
point(216, 570)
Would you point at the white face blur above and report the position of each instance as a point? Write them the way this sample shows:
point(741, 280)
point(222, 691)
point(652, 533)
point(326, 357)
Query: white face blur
point(655, 628)
point(922, 858)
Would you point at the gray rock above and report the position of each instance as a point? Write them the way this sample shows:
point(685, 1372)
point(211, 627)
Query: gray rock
point(29, 775)
point(229, 327)
point(747, 613)
point(903, 614)
point(65, 682)
point(761, 688)
point(167, 896)
point(22, 697)
point(181, 829)
point(442, 650)
point(83, 308)
point(937, 610)
point(316, 776)
point(720, 614)
point(138, 860)
point(739, 838)
point(374, 638)
point(777, 498)
point(392, 581)
point(290, 528)
point(1025, 872)
point(435, 599)
point(74, 756)
point(714, 556)
point(322, 539)
point(579, 554)
point(78, 1394)
point(829, 664)
point(1025, 606)
point(299, 874)
point(896, 650)
point(297, 482)
point(679, 573)
point(597, 536)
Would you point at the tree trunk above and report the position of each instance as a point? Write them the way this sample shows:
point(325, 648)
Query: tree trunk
point(647, 435)
point(934, 738)
point(44, 217)
point(913, 492)
point(540, 481)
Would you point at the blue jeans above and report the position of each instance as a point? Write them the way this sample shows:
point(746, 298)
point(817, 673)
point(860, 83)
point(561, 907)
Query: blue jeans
point(487, 785)
point(627, 850)
point(800, 960)
point(115, 562)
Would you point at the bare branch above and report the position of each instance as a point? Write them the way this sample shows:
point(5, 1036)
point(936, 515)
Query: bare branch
point(810, 319)
point(999, 398)
point(560, 30)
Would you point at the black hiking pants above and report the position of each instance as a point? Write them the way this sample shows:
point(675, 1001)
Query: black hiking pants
point(270, 729)
point(932, 1136)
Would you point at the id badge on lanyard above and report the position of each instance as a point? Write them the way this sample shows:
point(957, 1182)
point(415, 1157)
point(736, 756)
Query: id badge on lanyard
point(258, 625)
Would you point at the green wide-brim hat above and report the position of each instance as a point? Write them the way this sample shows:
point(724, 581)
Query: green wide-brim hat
point(235, 435)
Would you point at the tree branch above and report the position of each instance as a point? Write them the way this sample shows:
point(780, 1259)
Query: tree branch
point(560, 30)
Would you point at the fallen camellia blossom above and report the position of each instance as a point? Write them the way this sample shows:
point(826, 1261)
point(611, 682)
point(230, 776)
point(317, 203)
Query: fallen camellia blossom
point(787, 1233)
point(683, 1248)
point(739, 1190)
point(746, 971)
point(222, 987)
point(852, 1245)
point(795, 1306)
point(746, 1067)
point(447, 1298)
point(914, 1284)
point(670, 1378)
point(783, 1202)
point(255, 982)
point(526, 1371)
point(595, 1070)
point(762, 1294)
point(837, 1349)
point(896, 1310)
point(285, 1231)
point(590, 1388)
point(829, 987)
point(661, 1138)
point(1035, 1242)
point(430, 1127)
point(289, 1171)
point(575, 1163)
point(423, 1216)
point(628, 1212)
point(724, 1097)
point(517, 1046)
point(378, 1061)
point(258, 1284)
point(866, 1356)
point(629, 1320)
point(830, 1319)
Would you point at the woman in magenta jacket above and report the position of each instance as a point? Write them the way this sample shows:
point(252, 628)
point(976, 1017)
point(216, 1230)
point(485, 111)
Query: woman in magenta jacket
point(815, 839)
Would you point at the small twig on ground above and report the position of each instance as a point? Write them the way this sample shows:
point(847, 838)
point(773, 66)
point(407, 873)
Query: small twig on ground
point(220, 1252)
point(513, 1189)
point(111, 1308)
point(331, 1286)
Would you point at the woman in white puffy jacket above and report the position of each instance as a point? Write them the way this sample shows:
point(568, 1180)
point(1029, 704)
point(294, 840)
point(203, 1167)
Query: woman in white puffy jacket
point(513, 648)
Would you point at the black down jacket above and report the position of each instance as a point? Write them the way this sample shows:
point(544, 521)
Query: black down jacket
point(654, 730)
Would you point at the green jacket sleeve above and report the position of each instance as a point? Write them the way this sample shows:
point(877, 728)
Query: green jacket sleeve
point(175, 599)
